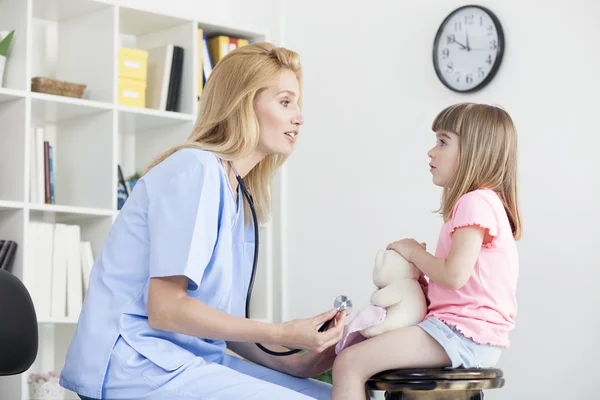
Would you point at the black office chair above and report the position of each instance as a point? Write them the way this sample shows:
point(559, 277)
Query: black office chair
point(18, 326)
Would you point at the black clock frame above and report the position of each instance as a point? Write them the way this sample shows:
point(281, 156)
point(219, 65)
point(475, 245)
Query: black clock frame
point(499, 52)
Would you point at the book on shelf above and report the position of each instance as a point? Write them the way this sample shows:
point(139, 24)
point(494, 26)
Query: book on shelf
point(58, 268)
point(165, 67)
point(42, 168)
point(8, 250)
point(211, 51)
point(220, 45)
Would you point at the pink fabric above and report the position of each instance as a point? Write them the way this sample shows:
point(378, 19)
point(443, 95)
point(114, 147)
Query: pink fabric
point(484, 309)
point(367, 317)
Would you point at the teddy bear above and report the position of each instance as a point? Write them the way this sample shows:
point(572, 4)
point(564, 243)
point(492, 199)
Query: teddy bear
point(398, 291)
point(398, 301)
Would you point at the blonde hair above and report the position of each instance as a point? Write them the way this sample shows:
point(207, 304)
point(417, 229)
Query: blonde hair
point(487, 156)
point(227, 124)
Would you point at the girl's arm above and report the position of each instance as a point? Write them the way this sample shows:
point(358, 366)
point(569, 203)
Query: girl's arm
point(452, 272)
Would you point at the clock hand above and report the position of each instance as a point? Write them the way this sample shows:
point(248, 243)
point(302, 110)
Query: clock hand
point(467, 35)
point(460, 44)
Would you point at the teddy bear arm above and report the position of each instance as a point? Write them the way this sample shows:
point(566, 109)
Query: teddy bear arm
point(387, 296)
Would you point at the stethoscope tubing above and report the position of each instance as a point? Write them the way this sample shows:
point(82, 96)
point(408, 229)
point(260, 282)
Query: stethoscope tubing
point(250, 200)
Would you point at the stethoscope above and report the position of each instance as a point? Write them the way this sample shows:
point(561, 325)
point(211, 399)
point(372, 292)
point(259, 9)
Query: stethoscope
point(341, 303)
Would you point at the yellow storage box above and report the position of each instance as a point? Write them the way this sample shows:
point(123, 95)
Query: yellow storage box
point(133, 63)
point(132, 92)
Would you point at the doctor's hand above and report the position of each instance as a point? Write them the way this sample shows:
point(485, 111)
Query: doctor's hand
point(304, 334)
point(311, 364)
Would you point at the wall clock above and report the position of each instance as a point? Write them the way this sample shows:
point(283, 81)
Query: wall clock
point(468, 48)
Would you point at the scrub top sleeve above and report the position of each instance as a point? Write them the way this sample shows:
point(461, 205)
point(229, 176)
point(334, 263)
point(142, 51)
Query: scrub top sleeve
point(183, 225)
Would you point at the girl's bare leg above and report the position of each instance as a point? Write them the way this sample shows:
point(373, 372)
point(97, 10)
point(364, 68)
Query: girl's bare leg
point(409, 347)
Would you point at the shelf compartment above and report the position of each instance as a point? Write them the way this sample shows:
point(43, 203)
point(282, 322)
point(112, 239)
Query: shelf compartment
point(73, 40)
point(53, 342)
point(82, 146)
point(145, 30)
point(142, 137)
point(41, 257)
point(13, 15)
point(12, 150)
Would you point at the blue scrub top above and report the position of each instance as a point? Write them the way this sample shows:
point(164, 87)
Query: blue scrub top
point(181, 219)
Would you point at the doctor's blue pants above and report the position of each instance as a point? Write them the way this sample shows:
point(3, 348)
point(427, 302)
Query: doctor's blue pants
point(234, 379)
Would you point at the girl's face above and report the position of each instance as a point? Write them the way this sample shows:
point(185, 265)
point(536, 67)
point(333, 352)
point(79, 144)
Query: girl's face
point(444, 157)
point(279, 116)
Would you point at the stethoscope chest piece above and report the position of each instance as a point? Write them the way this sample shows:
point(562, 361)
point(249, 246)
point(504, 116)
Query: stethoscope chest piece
point(342, 303)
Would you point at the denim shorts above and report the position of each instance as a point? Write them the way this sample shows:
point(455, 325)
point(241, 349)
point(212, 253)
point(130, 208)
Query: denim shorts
point(462, 351)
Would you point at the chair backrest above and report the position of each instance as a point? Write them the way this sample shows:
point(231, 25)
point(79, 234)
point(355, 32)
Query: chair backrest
point(18, 326)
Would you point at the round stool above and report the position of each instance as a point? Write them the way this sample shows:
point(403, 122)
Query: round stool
point(436, 384)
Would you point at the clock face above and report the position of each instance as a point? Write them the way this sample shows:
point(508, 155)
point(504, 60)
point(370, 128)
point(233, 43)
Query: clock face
point(468, 49)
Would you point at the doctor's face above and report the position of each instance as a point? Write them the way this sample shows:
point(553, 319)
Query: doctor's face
point(279, 116)
point(444, 157)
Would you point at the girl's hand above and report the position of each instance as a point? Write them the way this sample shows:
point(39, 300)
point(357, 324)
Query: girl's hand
point(304, 334)
point(405, 247)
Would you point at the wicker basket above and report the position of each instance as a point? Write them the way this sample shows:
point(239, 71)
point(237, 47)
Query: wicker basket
point(60, 88)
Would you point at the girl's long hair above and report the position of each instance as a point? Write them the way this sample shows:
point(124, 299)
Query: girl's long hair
point(487, 157)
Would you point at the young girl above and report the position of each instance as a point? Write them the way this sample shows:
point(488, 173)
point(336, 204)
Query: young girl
point(473, 275)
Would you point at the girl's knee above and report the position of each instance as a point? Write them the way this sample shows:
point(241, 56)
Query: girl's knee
point(344, 362)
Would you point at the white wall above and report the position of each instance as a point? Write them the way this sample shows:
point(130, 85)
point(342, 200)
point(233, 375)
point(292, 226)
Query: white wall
point(359, 177)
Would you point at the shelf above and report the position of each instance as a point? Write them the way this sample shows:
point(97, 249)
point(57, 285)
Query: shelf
point(145, 31)
point(140, 119)
point(51, 320)
point(80, 133)
point(10, 94)
point(69, 212)
point(72, 40)
point(10, 205)
point(52, 108)
point(211, 30)
point(58, 10)
point(138, 23)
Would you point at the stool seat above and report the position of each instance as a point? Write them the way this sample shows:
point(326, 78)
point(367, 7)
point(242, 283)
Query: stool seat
point(442, 383)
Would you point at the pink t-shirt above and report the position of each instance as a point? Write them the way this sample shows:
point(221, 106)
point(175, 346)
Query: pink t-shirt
point(483, 309)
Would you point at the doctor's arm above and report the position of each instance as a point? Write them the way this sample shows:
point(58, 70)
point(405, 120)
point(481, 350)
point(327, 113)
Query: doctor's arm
point(303, 365)
point(171, 309)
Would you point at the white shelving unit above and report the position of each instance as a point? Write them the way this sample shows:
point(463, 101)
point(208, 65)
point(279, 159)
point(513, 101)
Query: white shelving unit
point(78, 41)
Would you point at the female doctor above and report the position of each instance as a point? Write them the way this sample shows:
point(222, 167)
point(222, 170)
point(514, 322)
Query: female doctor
point(167, 291)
